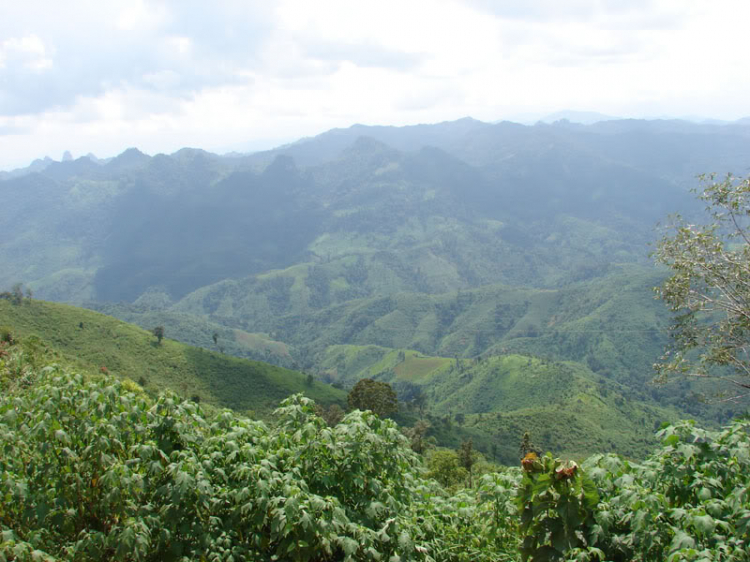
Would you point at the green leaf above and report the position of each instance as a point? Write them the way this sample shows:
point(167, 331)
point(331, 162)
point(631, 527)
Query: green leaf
point(349, 545)
point(705, 524)
point(681, 541)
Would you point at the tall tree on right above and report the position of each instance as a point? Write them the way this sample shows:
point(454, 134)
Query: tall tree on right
point(709, 290)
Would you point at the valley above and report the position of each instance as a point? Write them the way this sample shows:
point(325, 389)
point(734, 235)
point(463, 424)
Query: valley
point(500, 271)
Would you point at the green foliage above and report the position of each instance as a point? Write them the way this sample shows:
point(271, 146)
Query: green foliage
point(6, 335)
point(331, 415)
point(97, 469)
point(417, 435)
point(466, 457)
point(708, 288)
point(556, 504)
point(15, 295)
point(377, 396)
point(527, 446)
point(444, 466)
point(93, 470)
point(689, 501)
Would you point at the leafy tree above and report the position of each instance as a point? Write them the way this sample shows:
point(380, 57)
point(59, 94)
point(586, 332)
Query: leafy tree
point(709, 289)
point(466, 457)
point(16, 293)
point(158, 333)
point(331, 415)
point(417, 436)
point(444, 467)
point(377, 396)
point(420, 401)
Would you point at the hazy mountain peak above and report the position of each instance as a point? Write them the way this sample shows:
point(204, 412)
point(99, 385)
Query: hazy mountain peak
point(130, 158)
point(366, 144)
point(190, 153)
point(282, 164)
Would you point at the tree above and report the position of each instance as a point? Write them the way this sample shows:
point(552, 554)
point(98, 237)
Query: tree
point(158, 333)
point(377, 396)
point(527, 446)
point(466, 457)
point(443, 466)
point(709, 289)
point(417, 436)
point(17, 293)
point(420, 402)
point(331, 415)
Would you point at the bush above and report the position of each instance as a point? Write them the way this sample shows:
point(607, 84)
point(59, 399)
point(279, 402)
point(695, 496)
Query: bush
point(6, 335)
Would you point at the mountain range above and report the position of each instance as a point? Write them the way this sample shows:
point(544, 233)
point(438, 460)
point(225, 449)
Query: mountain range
point(499, 245)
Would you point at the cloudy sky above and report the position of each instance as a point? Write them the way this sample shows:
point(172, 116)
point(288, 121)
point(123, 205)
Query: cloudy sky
point(100, 76)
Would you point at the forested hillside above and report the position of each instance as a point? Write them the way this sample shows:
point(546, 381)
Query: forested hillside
point(469, 243)
point(431, 208)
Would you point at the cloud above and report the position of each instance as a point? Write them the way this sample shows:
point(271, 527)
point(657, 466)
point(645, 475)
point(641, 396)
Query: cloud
point(175, 47)
point(160, 74)
point(634, 14)
point(365, 54)
point(27, 53)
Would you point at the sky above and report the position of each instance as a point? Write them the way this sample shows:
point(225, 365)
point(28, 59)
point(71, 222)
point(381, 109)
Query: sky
point(104, 75)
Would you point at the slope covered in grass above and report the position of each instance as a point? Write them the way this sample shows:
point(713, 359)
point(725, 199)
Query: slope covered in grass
point(495, 399)
point(97, 342)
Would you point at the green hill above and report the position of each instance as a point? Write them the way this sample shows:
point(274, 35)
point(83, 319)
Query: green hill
point(95, 342)
point(611, 323)
point(494, 400)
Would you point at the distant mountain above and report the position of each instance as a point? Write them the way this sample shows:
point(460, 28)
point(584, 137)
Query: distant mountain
point(36, 166)
point(431, 208)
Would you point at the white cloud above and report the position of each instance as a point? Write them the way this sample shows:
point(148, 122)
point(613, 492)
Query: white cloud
point(29, 52)
point(104, 75)
point(140, 16)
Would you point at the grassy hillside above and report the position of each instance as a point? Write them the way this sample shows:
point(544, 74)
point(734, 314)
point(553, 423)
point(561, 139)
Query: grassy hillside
point(199, 331)
point(565, 406)
point(491, 400)
point(93, 341)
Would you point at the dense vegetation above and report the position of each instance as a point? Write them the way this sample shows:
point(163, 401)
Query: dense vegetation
point(94, 469)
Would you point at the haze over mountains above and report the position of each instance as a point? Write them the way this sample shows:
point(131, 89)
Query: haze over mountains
point(348, 253)
point(158, 218)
